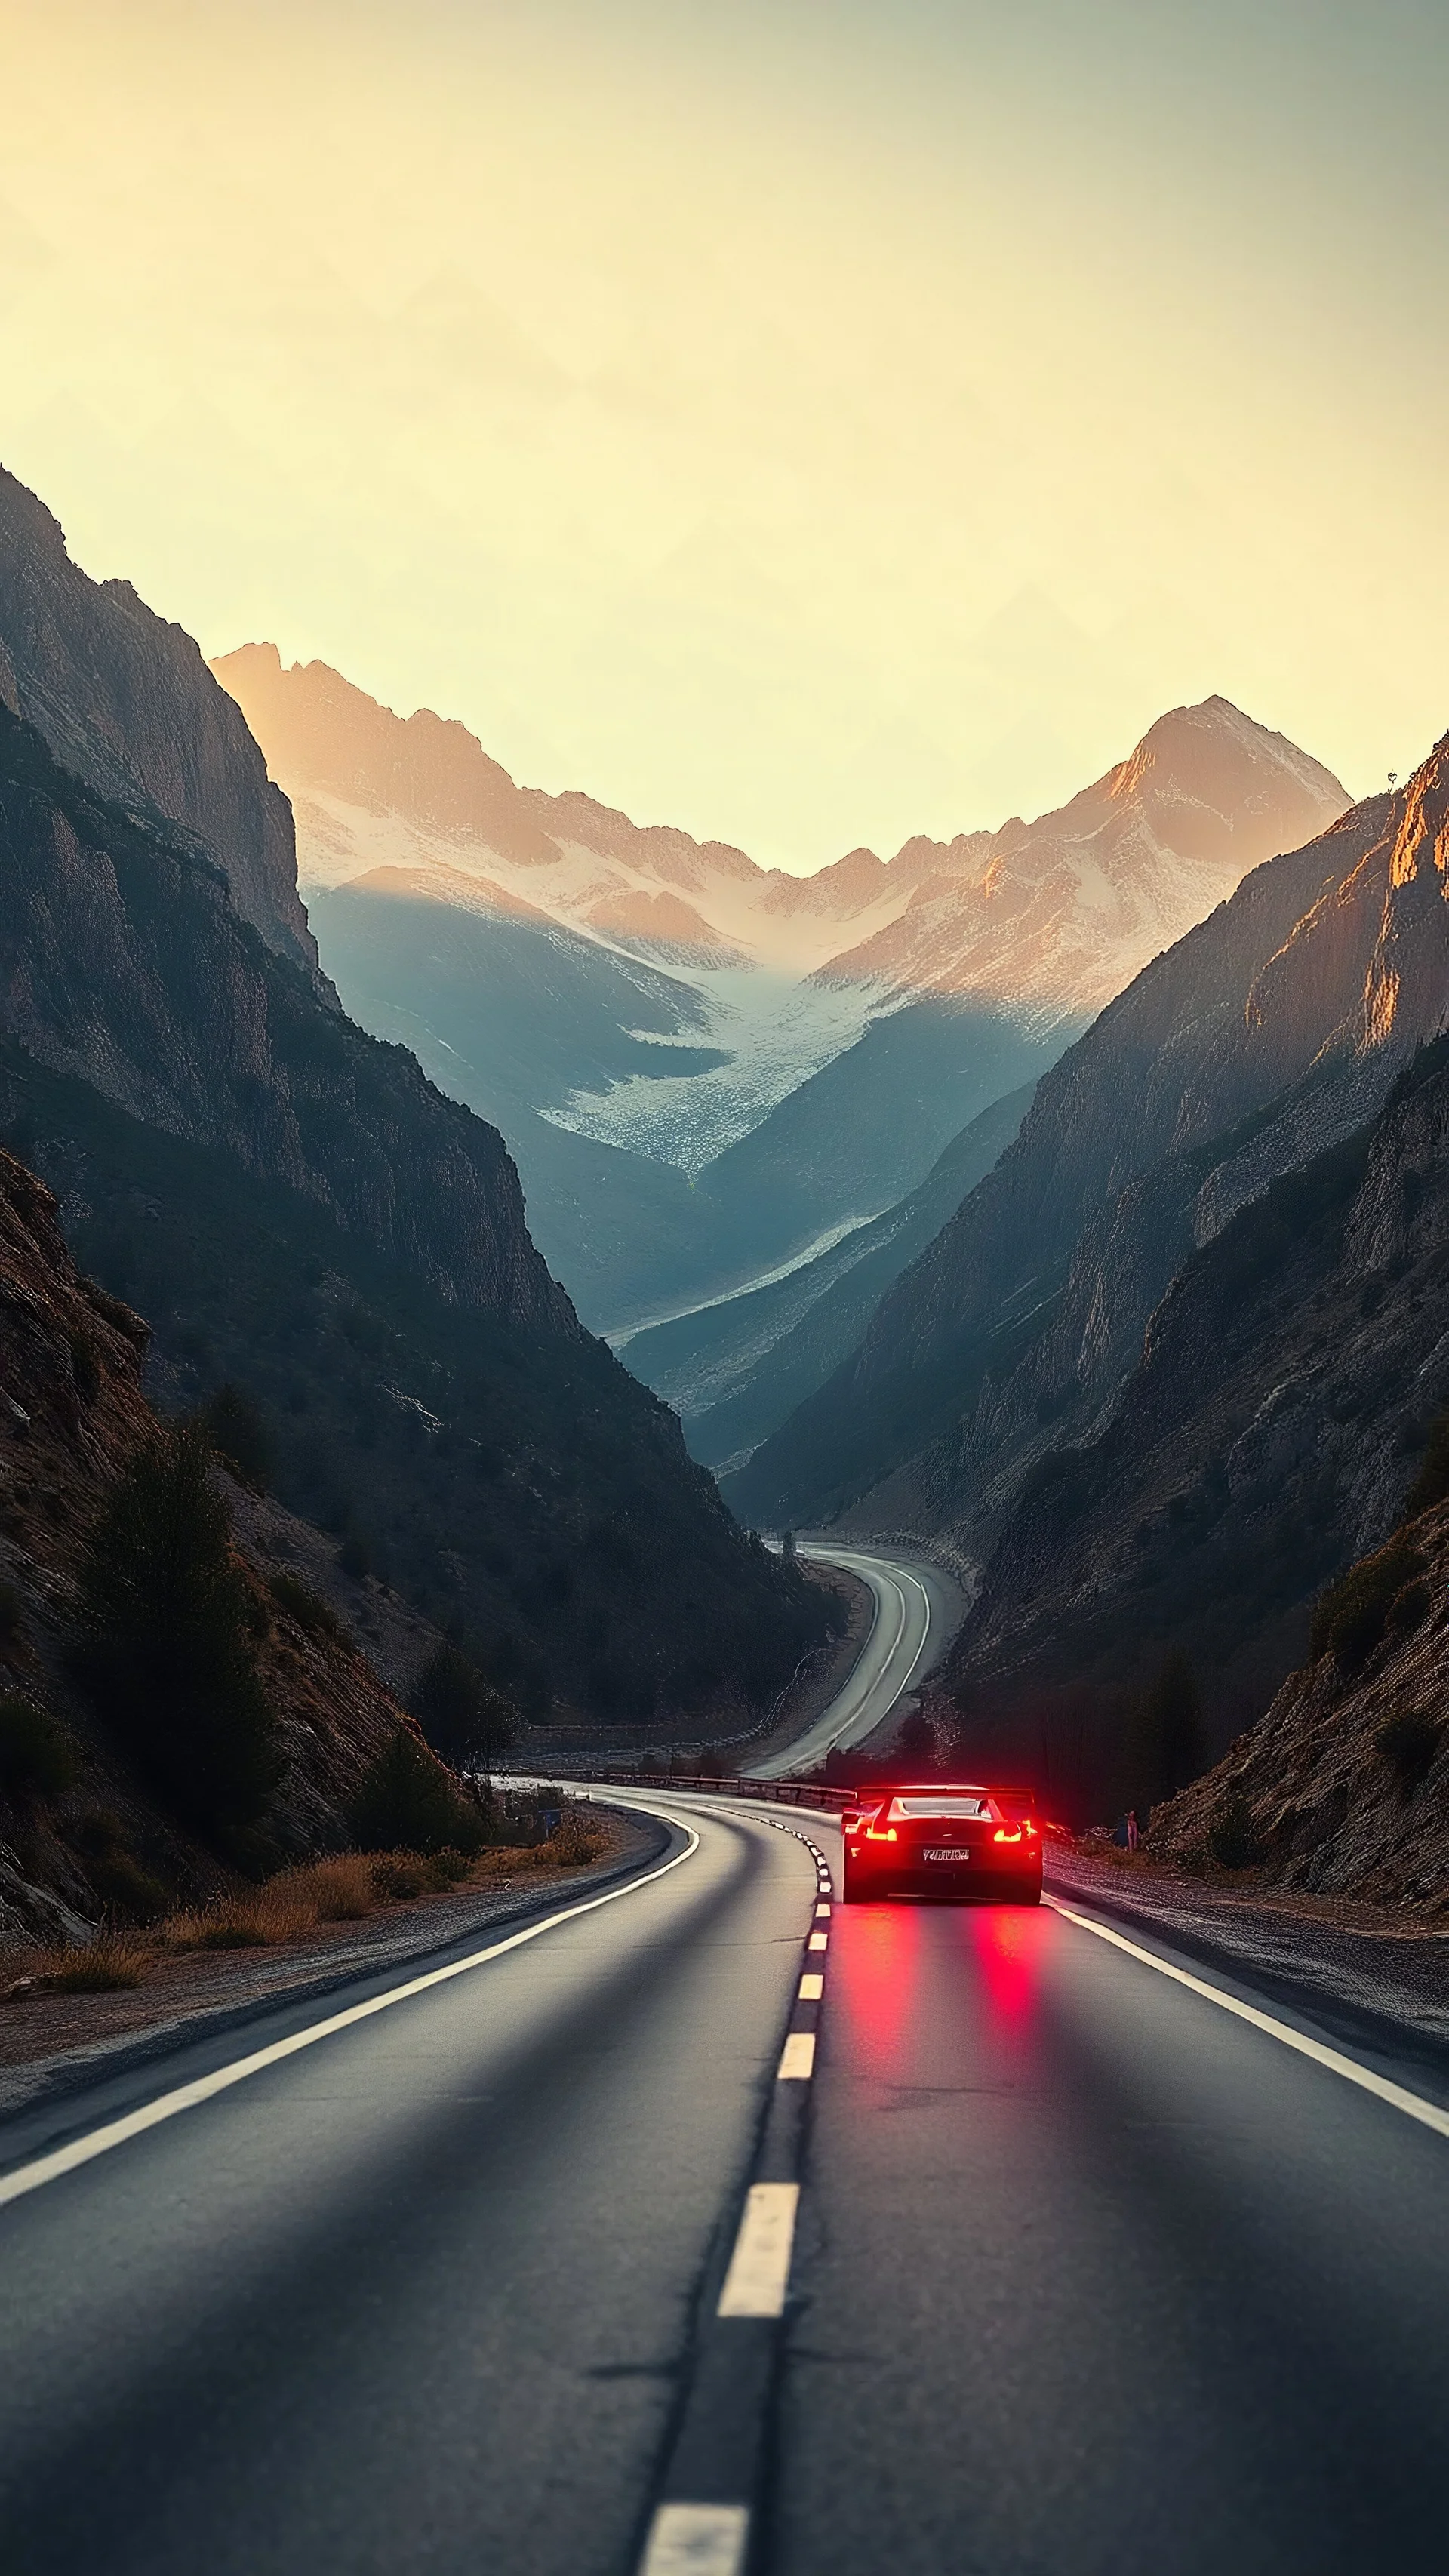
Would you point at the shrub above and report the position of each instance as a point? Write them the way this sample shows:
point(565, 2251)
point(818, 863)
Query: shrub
point(235, 1426)
point(407, 1802)
point(1408, 1610)
point(314, 1616)
point(399, 1875)
point(1408, 1742)
point(1233, 1838)
point(1431, 1485)
point(37, 1758)
point(1351, 1617)
point(166, 1655)
point(463, 1717)
point(85, 1360)
point(123, 1887)
point(99, 1969)
point(574, 1842)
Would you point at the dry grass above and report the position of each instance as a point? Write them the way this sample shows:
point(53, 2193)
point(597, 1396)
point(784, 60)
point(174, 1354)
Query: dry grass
point(344, 1889)
point(112, 1961)
point(575, 1843)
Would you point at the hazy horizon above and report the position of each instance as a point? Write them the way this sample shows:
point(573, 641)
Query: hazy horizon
point(807, 428)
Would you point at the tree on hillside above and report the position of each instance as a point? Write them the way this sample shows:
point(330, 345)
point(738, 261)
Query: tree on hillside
point(406, 1802)
point(234, 1425)
point(1165, 1735)
point(463, 1717)
point(165, 1649)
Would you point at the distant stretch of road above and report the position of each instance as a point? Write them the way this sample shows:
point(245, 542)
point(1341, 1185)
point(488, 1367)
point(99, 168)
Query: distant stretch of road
point(911, 1627)
point(1088, 2260)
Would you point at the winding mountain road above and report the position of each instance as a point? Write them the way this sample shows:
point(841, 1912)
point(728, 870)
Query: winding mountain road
point(1083, 2260)
point(912, 1626)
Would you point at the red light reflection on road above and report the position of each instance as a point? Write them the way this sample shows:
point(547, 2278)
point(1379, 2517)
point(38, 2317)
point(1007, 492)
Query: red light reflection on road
point(876, 1975)
point(1007, 1943)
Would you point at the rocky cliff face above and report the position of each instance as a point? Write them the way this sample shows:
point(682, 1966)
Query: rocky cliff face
point(123, 960)
point(1265, 1439)
point(126, 702)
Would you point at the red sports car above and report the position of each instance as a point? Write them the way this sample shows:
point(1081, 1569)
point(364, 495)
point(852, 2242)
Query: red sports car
point(943, 1838)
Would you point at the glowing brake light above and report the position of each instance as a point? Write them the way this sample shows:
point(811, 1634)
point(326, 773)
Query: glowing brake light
point(880, 1834)
point(1007, 1834)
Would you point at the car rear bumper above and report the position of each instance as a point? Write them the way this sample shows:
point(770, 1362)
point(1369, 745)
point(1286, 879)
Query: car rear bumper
point(973, 1878)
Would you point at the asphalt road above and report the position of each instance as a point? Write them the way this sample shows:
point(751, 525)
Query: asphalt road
point(911, 1627)
point(1089, 2273)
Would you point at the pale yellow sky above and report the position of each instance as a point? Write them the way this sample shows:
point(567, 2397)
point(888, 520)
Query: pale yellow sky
point(806, 425)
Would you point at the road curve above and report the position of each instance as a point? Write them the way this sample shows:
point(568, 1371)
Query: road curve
point(907, 1633)
point(418, 2296)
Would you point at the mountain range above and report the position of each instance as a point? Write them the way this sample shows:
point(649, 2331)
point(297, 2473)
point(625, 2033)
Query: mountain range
point(736, 1095)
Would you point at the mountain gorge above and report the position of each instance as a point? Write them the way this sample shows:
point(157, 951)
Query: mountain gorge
point(1169, 1367)
point(724, 1084)
point(298, 1209)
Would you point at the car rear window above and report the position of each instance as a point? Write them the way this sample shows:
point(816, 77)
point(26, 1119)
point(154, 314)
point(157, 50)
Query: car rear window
point(939, 1807)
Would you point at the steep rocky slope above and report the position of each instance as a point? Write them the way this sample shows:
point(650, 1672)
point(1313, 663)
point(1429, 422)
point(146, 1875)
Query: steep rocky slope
point(1343, 1785)
point(72, 1413)
point(127, 703)
point(123, 961)
point(1267, 1031)
point(1264, 1441)
point(298, 1208)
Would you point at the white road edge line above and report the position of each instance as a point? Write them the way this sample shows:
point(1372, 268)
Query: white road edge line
point(797, 2061)
point(116, 2133)
point(1384, 2090)
point(696, 2540)
point(759, 2272)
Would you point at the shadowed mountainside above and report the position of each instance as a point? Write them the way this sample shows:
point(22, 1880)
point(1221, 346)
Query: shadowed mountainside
point(1142, 1140)
point(296, 1207)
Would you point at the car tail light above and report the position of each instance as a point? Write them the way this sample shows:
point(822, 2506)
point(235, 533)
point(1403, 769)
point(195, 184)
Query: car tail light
point(1007, 1834)
point(880, 1833)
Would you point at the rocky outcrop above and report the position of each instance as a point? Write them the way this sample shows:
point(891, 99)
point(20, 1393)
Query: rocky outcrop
point(1343, 1785)
point(123, 960)
point(126, 701)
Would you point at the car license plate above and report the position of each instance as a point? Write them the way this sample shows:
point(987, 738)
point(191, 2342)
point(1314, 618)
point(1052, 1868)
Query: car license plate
point(950, 1851)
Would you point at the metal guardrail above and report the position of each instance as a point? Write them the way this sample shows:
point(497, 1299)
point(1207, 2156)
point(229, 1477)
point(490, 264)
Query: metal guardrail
point(777, 1793)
